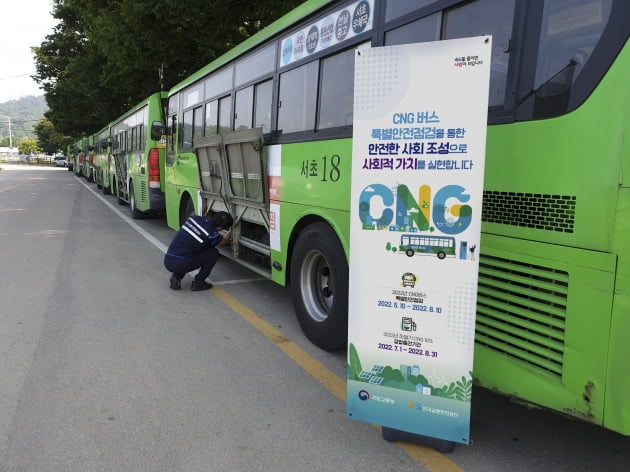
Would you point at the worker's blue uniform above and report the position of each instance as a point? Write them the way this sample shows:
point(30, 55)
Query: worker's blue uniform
point(193, 247)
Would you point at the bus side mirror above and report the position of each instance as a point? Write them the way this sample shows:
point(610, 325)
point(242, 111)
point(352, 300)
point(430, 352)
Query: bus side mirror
point(157, 128)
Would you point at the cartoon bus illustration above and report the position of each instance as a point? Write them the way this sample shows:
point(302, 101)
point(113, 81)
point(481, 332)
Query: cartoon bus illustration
point(441, 246)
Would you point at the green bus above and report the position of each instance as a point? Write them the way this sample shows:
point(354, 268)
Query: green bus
point(81, 154)
point(87, 158)
point(71, 159)
point(102, 156)
point(78, 157)
point(135, 175)
point(265, 132)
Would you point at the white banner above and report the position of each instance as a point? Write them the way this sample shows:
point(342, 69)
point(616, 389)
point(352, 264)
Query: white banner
point(420, 115)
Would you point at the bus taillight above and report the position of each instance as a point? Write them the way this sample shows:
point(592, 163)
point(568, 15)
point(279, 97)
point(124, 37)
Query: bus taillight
point(154, 168)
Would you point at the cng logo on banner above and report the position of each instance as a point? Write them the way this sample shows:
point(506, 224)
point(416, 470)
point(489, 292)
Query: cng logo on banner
point(403, 212)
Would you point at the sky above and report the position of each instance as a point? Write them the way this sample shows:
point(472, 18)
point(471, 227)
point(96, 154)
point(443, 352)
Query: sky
point(25, 23)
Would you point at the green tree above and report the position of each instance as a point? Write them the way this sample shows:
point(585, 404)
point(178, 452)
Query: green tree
point(104, 57)
point(5, 141)
point(50, 140)
point(28, 146)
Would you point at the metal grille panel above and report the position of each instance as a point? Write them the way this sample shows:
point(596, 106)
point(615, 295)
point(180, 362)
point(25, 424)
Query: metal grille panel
point(521, 311)
point(531, 210)
point(143, 192)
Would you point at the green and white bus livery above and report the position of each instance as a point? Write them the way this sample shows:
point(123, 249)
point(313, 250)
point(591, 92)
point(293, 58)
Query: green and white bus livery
point(138, 154)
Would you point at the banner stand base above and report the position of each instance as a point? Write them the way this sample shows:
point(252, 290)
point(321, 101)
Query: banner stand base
point(441, 445)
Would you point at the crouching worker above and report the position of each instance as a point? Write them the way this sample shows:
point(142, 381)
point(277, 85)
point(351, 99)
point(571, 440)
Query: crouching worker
point(194, 247)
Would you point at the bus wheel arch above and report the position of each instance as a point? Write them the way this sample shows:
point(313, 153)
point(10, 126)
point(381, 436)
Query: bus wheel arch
point(319, 288)
point(135, 213)
point(186, 208)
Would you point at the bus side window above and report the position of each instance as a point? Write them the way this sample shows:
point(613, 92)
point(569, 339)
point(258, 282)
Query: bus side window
point(187, 131)
point(212, 118)
point(569, 34)
point(198, 123)
point(419, 31)
point(170, 140)
point(262, 105)
point(243, 111)
point(493, 17)
point(337, 90)
point(296, 105)
point(225, 111)
point(252, 107)
point(397, 8)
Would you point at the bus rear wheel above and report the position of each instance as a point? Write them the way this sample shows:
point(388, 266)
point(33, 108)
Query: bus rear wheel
point(319, 287)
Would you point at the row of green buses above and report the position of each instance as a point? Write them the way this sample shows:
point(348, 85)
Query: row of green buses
point(126, 158)
point(265, 132)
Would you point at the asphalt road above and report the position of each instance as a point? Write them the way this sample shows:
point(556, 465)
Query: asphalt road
point(103, 368)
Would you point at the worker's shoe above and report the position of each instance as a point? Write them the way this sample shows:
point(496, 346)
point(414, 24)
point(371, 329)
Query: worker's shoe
point(176, 283)
point(199, 286)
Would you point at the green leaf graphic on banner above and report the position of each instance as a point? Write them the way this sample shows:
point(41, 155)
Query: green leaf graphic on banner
point(460, 390)
point(354, 362)
point(464, 390)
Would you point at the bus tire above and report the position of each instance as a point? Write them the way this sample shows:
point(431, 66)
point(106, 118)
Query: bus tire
point(409, 252)
point(441, 255)
point(135, 213)
point(319, 287)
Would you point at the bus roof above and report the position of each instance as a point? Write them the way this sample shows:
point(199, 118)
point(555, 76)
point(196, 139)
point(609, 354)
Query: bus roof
point(136, 107)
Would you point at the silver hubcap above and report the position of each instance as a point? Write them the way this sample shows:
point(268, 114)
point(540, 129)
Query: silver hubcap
point(317, 286)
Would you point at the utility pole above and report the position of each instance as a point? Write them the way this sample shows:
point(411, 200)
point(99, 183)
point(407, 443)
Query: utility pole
point(10, 135)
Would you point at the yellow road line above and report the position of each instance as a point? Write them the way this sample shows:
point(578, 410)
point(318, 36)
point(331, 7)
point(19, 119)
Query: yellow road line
point(428, 457)
point(11, 187)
